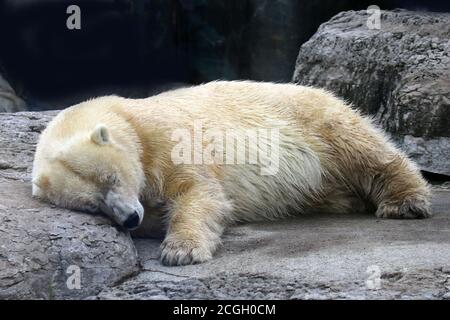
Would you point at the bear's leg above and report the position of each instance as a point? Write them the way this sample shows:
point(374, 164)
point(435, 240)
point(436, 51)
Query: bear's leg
point(338, 199)
point(399, 190)
point(196, 223)
point(361, 158)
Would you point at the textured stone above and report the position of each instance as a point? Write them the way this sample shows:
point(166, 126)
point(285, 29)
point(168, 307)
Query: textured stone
point(400, 74)
point(309, 257)
point(9, 101)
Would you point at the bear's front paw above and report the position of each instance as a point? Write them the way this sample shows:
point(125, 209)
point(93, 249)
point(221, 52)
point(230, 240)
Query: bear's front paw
point(177, 251)
point(410, 208)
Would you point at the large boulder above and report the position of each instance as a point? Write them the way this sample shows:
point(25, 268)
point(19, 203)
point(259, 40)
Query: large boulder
point(9, 101)
point(43, 249)
point(399, 73)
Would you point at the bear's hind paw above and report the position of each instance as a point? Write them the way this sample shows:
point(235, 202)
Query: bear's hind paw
point(410, 208)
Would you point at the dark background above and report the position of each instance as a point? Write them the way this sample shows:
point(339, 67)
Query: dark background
point(136, 48)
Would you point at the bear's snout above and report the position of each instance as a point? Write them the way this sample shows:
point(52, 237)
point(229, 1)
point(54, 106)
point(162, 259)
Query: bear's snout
point(126, 211)
point(132, 222)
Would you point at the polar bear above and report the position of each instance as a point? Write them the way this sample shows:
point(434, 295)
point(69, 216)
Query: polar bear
point(122, 157)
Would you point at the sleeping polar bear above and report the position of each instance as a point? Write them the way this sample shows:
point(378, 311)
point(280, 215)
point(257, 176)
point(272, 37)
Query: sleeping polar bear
point(122, 156)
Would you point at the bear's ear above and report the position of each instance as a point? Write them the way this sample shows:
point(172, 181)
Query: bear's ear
point(100, 135)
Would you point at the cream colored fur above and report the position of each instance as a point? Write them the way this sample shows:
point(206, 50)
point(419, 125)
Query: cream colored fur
point(114, 154)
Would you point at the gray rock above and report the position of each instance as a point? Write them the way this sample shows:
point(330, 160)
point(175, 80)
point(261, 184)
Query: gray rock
point(400, 74)
point(309, 257)
point(9, 101)
point(38, 242)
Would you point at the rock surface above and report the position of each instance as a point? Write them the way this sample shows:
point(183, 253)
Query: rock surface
point(9, 101)
point(399, 73)
point(37, 242)
point(310, 257)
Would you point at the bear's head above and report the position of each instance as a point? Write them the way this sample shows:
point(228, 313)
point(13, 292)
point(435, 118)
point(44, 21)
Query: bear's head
point(90, 172)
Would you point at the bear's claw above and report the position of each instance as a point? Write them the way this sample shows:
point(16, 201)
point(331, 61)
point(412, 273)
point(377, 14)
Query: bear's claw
point(411, 208)
point(183, 252)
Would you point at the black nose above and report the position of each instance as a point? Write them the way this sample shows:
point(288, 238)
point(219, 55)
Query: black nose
point(132, 221)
